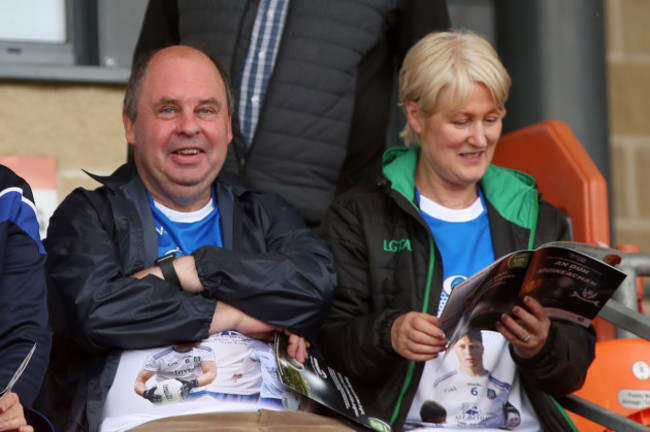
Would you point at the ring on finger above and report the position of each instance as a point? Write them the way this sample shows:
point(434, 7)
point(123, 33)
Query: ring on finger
point(526, 338)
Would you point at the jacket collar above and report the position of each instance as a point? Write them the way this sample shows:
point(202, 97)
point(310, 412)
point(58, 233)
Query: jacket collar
point(125, 182)
point(399, 169)
point(128, 172)
point(513, 194)
point(118, 178)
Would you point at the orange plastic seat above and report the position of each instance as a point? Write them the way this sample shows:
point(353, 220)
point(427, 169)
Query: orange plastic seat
point(618, 379)
point(565, 174)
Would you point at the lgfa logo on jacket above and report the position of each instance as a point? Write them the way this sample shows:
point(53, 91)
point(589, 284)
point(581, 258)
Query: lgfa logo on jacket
point(397, 245)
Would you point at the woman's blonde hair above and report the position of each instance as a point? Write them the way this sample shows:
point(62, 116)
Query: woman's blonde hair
point(450, 61)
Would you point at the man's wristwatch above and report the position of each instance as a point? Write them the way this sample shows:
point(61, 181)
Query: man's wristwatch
point(167, 268)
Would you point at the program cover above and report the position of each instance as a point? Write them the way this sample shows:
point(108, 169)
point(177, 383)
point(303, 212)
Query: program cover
point(573, 281)
point(318, 381)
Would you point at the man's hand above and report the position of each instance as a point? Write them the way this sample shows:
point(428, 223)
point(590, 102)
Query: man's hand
point(227, 318)
point(12, 416)
point(416, 336)
point(151, 397)
point(298, 346)
point(188, 385)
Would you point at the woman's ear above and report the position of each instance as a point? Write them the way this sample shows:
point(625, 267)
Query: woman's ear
point(413, 116)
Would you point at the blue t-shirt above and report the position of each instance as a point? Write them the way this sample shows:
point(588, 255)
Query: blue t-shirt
point(463, 238)
point(469, 401)
point(184, 232)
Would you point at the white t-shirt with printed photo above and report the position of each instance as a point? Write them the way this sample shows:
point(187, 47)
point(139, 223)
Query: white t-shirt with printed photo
point(230, 391)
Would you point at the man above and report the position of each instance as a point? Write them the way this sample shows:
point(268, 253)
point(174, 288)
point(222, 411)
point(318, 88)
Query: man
point(23, 299)
point(313, 81)
point(244, 261)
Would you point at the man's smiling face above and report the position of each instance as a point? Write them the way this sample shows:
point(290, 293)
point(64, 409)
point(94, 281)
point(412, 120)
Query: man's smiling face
point(182, 129)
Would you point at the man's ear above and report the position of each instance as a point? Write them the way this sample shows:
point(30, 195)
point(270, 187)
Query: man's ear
point(413, 116)
point(229, 129)
point(128, 128)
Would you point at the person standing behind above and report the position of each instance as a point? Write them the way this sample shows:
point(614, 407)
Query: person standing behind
point(451, 212)
point(171, 249)
point(23, 292)
point(313, 81)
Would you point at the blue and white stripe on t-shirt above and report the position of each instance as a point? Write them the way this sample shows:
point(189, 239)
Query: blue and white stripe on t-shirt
point(17, 209)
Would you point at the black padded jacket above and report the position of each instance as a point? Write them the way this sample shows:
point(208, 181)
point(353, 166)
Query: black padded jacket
point(272, 267)
point(324, 117)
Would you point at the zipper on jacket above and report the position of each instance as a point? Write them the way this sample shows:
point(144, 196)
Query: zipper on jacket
point(566, 416)
point(425, 307)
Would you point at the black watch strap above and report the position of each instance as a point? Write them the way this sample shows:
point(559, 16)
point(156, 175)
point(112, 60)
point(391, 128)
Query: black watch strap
point(167, 268)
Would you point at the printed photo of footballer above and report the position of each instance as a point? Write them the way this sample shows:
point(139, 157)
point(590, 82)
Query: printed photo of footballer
point(472, 394)
point(177, 371)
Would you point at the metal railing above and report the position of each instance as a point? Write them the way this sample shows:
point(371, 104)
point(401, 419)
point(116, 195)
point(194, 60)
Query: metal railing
point(622, 311)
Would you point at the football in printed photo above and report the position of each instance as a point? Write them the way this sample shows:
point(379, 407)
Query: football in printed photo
point(170, 391)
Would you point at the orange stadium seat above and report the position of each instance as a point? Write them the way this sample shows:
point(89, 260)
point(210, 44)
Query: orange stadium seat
point(565, 174)
point(619, 379)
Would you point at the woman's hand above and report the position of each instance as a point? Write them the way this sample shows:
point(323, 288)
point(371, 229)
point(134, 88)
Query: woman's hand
point(416, 336)
point(526, 330)
point(12, 416)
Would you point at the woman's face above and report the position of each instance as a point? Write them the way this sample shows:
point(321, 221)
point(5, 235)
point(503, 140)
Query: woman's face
point(457, 146)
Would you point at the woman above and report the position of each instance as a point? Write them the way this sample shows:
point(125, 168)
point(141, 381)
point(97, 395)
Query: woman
point(440, 213)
